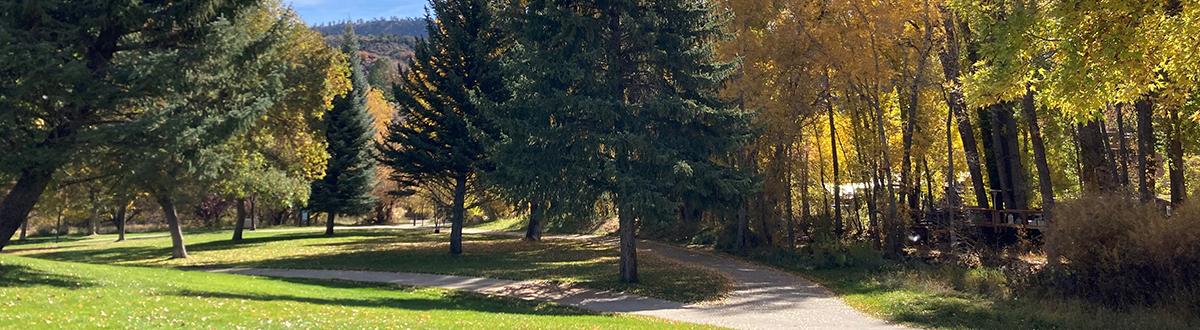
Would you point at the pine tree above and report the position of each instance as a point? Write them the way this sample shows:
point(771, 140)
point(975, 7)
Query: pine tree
point(622, 96)
point(439, 135)
point(350, 174)
point(72, 81)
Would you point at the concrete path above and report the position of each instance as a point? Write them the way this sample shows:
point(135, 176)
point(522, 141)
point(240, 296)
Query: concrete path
point(762, 298)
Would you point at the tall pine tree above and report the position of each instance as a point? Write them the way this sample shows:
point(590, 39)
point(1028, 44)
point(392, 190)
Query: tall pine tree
point(439, 137)
point(622, 96)
point(350, 174)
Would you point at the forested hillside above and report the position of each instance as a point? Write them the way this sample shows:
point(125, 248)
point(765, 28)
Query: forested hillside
point(386, 45)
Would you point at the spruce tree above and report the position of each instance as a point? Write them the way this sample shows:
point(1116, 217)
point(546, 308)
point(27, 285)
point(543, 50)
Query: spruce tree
point(350, 174)
point(440, 135)
point(622, 97)
point(76, 74)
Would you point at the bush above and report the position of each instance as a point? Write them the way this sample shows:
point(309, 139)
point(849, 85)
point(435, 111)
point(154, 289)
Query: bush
point(1121, 252)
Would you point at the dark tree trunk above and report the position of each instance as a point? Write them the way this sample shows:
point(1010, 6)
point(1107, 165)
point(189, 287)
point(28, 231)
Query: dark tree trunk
point(1013, 173)
point(456, 214)
point(743, 226)
point(837, 170)
point(954, 100)
point(533, 231)
point(329, 223)
point(14, 210)
point(992, 155)
point(627, 227)
point(1175, 153)
point(178, 250)
point(1096, 173)
point(1045, 185)
point(1147, 166)
point(240, 223)
point(1123, 145)
point(119, 219)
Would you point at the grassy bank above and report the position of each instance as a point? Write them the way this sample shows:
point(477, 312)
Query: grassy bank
point(952, 297)
point(588, 263)
point(53, 294)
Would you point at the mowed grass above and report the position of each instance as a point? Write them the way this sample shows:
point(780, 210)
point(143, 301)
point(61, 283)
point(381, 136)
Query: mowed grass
point(588, 263)
point(65, 295)
point(945, 297)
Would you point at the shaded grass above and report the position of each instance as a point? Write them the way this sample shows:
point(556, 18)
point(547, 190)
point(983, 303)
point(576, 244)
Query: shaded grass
point(587, 263)
point(950, 297)
point(52, 294)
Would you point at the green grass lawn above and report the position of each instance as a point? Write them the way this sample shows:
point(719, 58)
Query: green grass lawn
point(588, 263)
point(66, 295)
point(946, 297)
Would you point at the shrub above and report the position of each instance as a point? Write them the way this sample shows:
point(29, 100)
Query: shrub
point(1121, 252)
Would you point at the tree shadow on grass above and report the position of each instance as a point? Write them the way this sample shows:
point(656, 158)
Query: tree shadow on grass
point(108, 255)
point(449, 300)
point(12, 276)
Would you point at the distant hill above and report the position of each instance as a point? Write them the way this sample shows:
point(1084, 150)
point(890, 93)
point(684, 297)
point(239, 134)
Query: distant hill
point(385, 44)
point(407, 26)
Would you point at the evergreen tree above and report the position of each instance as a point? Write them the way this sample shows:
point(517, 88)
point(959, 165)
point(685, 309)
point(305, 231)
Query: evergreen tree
point(350, 174)
point(75, 74)
point(622, 96)
point(439, 136)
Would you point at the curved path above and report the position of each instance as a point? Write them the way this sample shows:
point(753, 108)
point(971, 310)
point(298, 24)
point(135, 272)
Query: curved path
point(762, 298)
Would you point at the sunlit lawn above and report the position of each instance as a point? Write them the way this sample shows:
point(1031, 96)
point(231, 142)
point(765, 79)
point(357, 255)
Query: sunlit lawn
point(65, 295)
point(588, 263)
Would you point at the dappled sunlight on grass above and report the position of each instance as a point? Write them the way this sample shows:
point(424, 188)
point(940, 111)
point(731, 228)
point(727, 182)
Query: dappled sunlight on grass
point(33, 293)
point(588, 263)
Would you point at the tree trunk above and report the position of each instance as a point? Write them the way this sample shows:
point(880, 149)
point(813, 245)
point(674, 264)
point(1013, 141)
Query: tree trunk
point(329, 223)
point(1175, 153)
point(119, 220)
point(951, 188)
point(1045, 185)
point(253, 214)
point(837, 181)
point(533, 231)
point(1095, 173)
point(457, 213)
point(94, 215)
point(1147, 166)
point(178, 250)
point(1015, 177)
point(14, 210)
point(893, 240)
point(992, 154)
point(628, 245)
point(743, 226)
point(1123, 142)
point(787, 195)
point(805, 205)
point(954, 100)
point(24, 229)
point(240, 222)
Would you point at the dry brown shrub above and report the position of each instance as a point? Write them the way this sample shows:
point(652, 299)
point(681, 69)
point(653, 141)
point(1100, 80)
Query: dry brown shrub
point(1121, 252)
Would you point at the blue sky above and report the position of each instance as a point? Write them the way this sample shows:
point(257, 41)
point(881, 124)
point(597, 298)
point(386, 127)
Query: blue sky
point(324, 11)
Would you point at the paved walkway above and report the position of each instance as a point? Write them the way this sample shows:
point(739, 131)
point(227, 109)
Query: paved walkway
point(762, 298)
